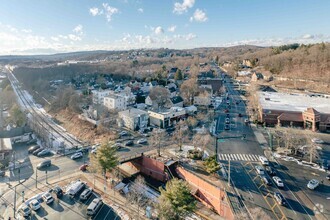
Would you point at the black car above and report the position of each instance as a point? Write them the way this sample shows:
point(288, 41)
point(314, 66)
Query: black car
point(35, 153)
point(129, 143)
point(58, 191)
point(227, 127)
point(271, 171)
point(33, 148)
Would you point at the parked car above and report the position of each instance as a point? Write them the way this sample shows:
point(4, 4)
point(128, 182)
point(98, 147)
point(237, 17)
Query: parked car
point(45, 163)
point(312, 184)
point(266, 180)
point(279, 198)
point(129, 143)
point(246, 121)
point(48, 198)
point(33, 148)
point(35, 153)
point(239, 115)
point(260, 170)
point(24, 210)
point(317, 141)
point(117, 146)
point(123, 133)
point(35, 205)
point(43, 153)
point(76, 156)
point(227, 127)
point(94, 206)
point(142, 141)
point(58, 191)
point(83, 167)
point(271, 171)
point(85, 194)
point(278, 181)
point(227, 120)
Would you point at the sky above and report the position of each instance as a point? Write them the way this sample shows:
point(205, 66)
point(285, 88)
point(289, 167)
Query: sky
point(52, 26)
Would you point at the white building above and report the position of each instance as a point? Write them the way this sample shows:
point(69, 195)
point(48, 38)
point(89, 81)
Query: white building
point(133, 119)
point(98, 95)
point(115, 102)
point(167, 117)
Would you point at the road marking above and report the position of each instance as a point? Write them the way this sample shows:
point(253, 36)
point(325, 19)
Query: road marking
point(110, 210)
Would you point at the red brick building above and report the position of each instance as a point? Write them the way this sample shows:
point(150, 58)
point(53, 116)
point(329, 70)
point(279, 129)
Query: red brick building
point(297, 110)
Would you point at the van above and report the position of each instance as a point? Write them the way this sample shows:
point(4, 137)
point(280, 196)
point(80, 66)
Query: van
point(45, 163)
point(74, 188)
point(94, 207)
point(263, 160)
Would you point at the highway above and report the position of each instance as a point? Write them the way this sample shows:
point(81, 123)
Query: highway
point(239, 146)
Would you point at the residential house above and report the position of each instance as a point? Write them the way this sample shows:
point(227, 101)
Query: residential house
point(5, 151)
point(115, 102)
point(151, 103)
point(172, 91)
point(98, 95)
point(256, 76)
point(168, 117)
point(215, 84)
point(129, 96)
point(176, 101)
point(133, 119)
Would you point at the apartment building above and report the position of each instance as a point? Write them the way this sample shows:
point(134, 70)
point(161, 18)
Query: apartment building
point(133, 119)
point(115, 102)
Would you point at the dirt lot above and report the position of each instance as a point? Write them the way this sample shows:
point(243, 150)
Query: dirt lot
point(83, 130)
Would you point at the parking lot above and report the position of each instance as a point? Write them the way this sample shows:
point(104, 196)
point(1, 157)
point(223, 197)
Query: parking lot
point(71, 208)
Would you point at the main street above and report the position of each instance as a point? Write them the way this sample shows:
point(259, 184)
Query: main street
point(239, 151)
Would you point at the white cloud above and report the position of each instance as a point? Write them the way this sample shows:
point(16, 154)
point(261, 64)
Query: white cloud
point(78, 29)
point(95, 11)
point(55, 38)
point(74, 37)
point(26, 30)
point(159, 30)
point(199, 16)
point(308, 36)
point(109, 11)
point(180, 8)
point(140, 10)
point(171, 28)
point(190, 36)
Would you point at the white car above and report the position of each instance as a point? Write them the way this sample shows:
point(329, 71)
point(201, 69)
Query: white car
point(260, 170)
point(278, 181)
point(312, 184)
point(317, 141)
point(24, 210)
point(48, 198)
point(76, 156)
point(142, 141)
point(246, 120)
point(35, 205)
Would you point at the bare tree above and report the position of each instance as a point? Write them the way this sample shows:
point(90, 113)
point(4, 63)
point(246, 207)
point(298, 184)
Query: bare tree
point(204, 140)
point(137, 193)
point(189, 89)
point(180, 134)
point(160, 95)
point(157, 139)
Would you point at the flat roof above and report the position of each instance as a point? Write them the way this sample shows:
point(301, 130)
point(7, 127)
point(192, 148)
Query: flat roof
point(5, 144)
point(133, 112)
point(295, 102)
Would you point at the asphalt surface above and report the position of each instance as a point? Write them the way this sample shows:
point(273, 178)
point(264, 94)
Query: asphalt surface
point(243, 153)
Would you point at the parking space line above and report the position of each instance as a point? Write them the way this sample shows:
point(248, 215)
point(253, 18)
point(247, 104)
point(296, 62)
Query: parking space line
point(105, 217)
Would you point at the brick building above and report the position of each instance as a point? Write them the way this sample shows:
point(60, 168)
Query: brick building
point(310, 111)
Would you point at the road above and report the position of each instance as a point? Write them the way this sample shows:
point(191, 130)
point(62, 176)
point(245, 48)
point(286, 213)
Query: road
point(240, 146)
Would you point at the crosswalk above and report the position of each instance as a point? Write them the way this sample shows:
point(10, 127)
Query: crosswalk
point(239, 157)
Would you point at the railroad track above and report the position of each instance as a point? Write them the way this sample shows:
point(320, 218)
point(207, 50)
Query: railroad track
point(41, 118)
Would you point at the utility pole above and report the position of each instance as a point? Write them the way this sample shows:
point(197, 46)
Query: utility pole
point(229, 173)
point(36, 178)
point(15, 202)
